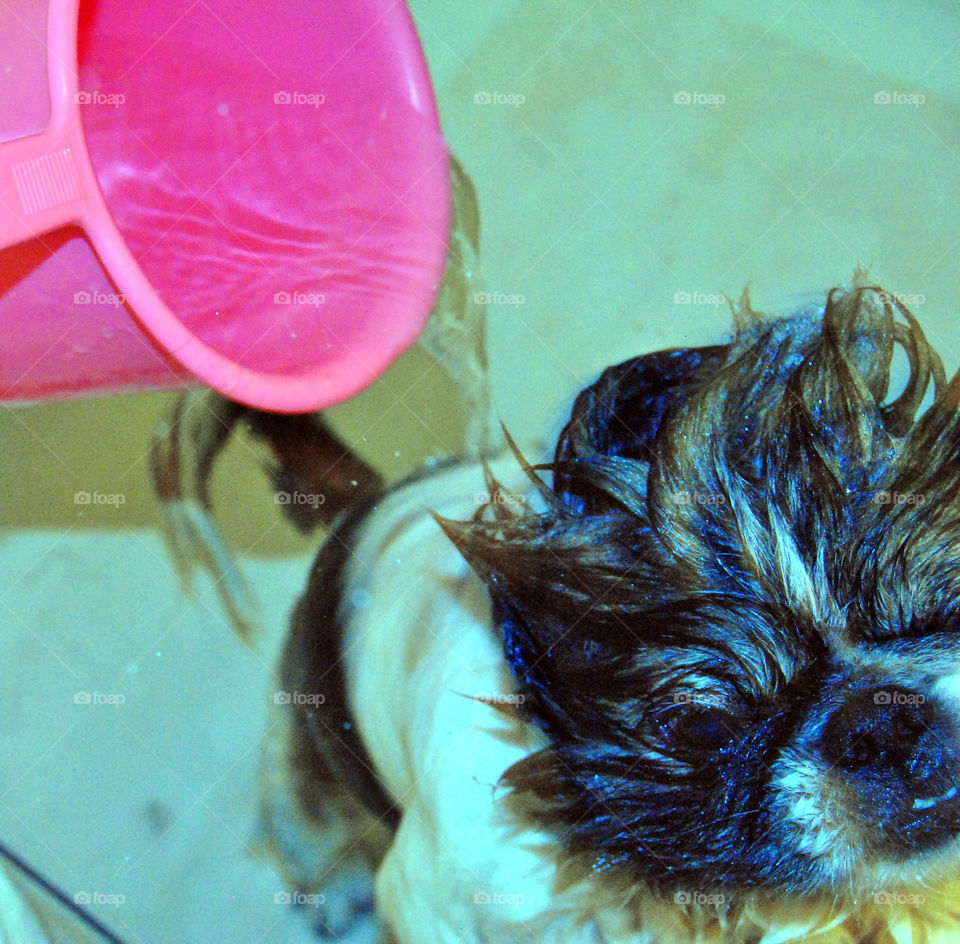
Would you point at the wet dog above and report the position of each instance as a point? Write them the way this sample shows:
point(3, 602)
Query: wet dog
point(694, 679)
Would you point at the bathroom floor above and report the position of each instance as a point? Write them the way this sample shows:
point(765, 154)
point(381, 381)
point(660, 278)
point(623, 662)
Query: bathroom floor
point(629, 173)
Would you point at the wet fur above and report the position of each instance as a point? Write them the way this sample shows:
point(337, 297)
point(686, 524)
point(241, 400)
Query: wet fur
point(712, 616)
point(742, 547)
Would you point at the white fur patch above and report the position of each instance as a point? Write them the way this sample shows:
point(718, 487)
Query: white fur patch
point(947, 690)
point(818, 824)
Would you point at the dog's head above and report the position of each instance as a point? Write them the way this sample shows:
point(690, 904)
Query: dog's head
point(737, 617)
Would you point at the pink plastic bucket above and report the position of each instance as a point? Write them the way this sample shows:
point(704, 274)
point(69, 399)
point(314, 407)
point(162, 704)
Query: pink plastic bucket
point(251, 193)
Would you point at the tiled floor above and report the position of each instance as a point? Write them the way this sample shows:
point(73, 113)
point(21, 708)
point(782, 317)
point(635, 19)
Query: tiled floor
point(639, 160)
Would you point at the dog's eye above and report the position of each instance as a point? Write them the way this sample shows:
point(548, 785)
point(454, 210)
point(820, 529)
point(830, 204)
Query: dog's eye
point(699, 729)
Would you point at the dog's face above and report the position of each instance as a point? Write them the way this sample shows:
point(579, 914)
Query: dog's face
point(737, 617)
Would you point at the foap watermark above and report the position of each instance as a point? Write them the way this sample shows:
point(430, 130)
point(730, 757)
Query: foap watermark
point(299, 698)
point(99, 498)
point(314, 99)
point(114, 699)
point(898, 498)
point(499, 98)
point(686, 497)
point(501, 698)
point(898, 698)
point(498, 898)
point(512, 299)
point(116, 99)
point(700, 298)
point(298, 899)
point(915, 100)
point(898, 898)
point(700, 898)
point(907, 300)
point(498, 498)
point(114, 299)
point(313, 499)
point(711, 99)
point(690, 698)
point(99, 898)
point(316, 299)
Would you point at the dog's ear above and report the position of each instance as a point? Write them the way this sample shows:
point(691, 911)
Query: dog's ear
point(560, 586)
point(619, 415)
point(563, 583)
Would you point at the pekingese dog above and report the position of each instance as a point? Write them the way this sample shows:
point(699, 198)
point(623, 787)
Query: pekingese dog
point(697, 678)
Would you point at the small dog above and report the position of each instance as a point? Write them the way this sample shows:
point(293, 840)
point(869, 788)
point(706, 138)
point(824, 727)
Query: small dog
point(704, 685)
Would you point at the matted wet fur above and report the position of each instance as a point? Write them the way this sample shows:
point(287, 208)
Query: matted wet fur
point(738, 618)
point(734, 621)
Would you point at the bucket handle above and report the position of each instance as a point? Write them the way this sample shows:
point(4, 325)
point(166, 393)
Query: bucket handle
point(46, 180)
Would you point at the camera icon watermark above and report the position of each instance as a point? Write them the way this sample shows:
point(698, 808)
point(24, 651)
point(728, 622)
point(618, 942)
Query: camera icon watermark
point(710, 99)
point(299, 698)
point(712, 499)
point(689, 698)
point(313, 499)
point(298, 899)
point(314, 299)
point(114, 99)
point(115, 699)
point(499, 98)
point(511, 299)
point(716, 299)
point(914, 100)
point(99, 498)
point(898, 898)
point(700, 898)
point(500, 698)
point(898, 498)
point(498, 498)
point(113, 299)
point(906, 299)
point(898, 698)
point(314, 99)
point(99, 898)
point(498, 898)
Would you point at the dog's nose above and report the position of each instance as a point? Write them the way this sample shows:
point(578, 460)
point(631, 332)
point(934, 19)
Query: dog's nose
point(890, 729)
point(897, 751)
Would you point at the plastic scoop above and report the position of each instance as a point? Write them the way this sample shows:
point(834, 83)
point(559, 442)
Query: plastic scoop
point(253, 193)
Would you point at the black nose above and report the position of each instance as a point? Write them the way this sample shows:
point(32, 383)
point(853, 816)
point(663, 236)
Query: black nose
point(891, 729)
point(898, 753)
